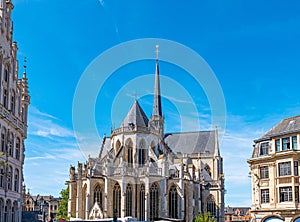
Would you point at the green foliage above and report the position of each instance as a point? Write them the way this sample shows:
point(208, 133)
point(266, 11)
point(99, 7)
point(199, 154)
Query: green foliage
point(62, 211)
point(2, 162)
point(205, 217)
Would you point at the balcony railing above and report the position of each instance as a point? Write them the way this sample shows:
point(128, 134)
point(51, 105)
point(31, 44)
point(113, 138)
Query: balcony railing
point(4, 113)
point(134, 172)
point(128, 129)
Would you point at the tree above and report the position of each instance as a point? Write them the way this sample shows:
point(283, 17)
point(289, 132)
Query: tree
point(62, 211)
point(2, 162)
point(205, 217)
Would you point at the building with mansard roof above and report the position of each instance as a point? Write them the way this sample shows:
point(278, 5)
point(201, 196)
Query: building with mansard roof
point(149, 174)
point(275, 173)
point(14, 101)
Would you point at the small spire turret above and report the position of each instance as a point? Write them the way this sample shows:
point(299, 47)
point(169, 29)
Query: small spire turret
point(25, 66)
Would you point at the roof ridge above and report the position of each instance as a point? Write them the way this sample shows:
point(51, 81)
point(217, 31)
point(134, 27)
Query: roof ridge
point(200, 131)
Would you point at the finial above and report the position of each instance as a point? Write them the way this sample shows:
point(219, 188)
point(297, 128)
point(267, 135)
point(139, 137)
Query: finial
point(25, 66)
point(136, 95)
point(157, 51)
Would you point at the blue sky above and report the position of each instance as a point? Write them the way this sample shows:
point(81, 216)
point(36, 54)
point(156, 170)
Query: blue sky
point(252, 47)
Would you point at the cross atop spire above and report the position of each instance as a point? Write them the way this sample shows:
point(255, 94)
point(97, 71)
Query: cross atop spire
point(157, 51)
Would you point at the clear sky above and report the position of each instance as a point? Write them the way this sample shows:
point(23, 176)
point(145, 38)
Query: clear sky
point(252, 46)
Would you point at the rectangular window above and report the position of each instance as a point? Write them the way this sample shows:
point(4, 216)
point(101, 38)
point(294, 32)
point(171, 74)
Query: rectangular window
point(286, 143)
point(285, 194)
point(265, 198)
point(264, 149)
point(297, 193)
point(284, 169)
point(264, 172)
point(277, 145)
point(294, 142)
point(296, 168)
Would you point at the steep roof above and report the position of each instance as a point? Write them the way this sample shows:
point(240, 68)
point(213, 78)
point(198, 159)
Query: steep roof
point(192, 142)
point(286, 126)
point(136, 116)
point(106, 146)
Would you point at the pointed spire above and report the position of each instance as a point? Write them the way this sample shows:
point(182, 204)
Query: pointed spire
point(157, 110)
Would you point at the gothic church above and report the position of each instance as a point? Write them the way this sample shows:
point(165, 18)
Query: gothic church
point(149, 174)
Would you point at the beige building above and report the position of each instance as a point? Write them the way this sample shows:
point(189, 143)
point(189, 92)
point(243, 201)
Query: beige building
point(149, 174)
point(275, 173)
point(14, 101)
point(39, 208)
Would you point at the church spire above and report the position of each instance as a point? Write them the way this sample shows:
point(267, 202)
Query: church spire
point(157, 120)
point(157, 111)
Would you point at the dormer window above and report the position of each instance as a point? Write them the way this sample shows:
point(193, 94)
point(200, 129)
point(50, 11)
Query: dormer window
point(264, 148)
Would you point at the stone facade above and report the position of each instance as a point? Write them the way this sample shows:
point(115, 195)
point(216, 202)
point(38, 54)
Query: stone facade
point(238, 214)
point(275, 173)
point(43, 208)
point(14, 101)
point(148, 174)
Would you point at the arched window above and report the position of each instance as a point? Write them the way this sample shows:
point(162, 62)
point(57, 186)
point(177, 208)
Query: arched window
point(14, 212)
point(154, 204)
point(128, 201)
point(272, 219)
point(142, 153)
point(211, 206)
point(129, 148)
point(2, 176)
point(16, 182)
point(9, 178)
point(3, 135)
point(117, 199)
point(12, 102)
point(1, 209)
point(142, 203)
point(173, 202)
point(186, 202)
point(7, 211)
point(98, 195)
point(118, 145)
point(5, 98)
point(10, 144)
point(17, 154)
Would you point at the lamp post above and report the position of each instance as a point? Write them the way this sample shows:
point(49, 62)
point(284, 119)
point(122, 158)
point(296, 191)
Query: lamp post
point(115, 215)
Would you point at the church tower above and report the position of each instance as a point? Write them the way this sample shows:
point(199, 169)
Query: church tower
point(156, 122)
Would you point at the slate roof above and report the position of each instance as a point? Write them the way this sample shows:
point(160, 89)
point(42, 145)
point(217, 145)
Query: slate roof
point(106, 147)
point(192, 142)
point(286, 126)
point(136, 116)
